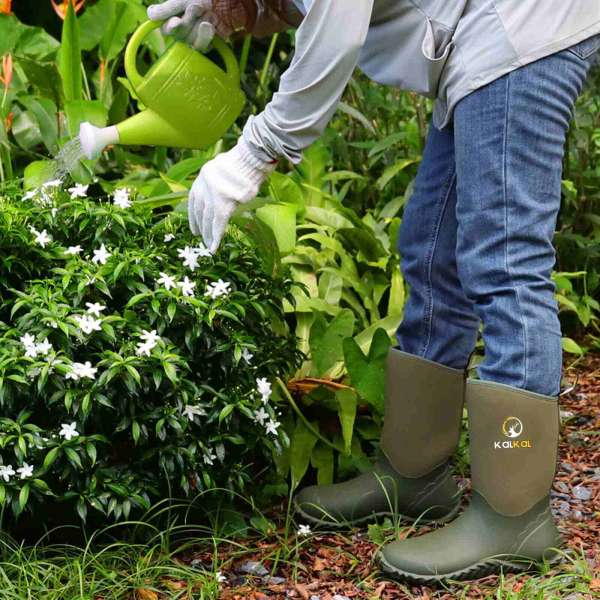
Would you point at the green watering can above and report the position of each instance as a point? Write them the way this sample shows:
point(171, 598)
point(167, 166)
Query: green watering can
point(190, 101)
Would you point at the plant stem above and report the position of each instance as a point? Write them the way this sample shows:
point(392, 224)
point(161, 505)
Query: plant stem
point(268, 60)
point(306, 422)
point(245, 53)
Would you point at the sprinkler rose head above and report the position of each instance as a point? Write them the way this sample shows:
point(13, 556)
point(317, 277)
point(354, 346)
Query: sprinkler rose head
point(95, 139)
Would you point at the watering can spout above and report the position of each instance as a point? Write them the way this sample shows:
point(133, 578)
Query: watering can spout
point(95, 139)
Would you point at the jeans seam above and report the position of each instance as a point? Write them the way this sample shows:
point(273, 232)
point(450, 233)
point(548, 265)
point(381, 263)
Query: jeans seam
point(506, 226)
point(429, 306)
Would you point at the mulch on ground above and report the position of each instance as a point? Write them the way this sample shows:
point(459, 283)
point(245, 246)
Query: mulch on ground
point(341, 566)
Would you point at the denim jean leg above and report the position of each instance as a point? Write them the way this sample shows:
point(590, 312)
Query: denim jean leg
point(439, 321)
point(509, 140)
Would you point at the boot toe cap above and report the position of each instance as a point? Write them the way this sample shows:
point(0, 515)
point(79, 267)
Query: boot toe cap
point(402, 561)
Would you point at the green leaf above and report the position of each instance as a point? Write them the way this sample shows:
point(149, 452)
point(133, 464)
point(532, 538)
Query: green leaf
point(91, 451)
point(81, 508)
point(78, 111)
point(170, 372)
point(571, 346)
point(17, 38)
point(367, 373)
point(302, 444)
point(323, 461)
point(364, 241)
point(126, 18)
point(227, 410)
point(326, 339)
point(70, 57)
point(93, 23)
point(23, 496)
point(261, 236)
point(44, 111)
point(42, 486)
point(347, 404)
point(392, 171)
point(73, 457)
point(50, 458)
point(281, 218)
point(135, 431)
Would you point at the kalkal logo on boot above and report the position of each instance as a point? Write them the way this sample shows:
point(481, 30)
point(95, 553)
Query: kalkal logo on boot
point(512, 428)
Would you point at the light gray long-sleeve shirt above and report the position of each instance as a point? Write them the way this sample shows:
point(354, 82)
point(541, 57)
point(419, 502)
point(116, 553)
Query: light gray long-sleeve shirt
point(444, 49)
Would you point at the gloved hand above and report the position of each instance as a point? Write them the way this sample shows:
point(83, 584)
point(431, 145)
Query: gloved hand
point(192, 21)
point(231, 178)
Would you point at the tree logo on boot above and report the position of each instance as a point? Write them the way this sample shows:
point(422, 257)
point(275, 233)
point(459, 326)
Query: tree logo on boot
point(512, 427)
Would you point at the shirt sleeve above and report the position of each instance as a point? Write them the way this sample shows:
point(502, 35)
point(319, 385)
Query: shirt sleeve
point(328, 43)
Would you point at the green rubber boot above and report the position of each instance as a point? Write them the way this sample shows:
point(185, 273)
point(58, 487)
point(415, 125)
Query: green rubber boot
point(413, 480)
point(508, 525)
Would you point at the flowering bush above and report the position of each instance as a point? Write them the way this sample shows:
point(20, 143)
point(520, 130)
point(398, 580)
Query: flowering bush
point(132, 362)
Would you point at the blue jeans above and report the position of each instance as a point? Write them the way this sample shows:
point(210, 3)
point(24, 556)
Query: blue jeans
point(476, 236)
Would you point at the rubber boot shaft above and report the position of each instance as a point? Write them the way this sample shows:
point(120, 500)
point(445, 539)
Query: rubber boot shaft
point(514, 443)
point(423, 411)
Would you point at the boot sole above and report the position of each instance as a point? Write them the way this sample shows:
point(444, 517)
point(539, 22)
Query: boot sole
point(472, 572)
point(373, 517)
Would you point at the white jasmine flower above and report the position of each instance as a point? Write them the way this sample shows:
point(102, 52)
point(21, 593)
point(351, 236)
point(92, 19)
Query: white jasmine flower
point(144, 349)
point(264, 388)
point(78, 191)
point(29, 195)
point(74, 250)
point(87, 323)
point(304, 530)
point(247, 355)
point(272, 426)
point(121, 198)
point(189, 256)
point(209, 457)
point(202, 250)
point(25, 471)
point(150, 341)
point(166, 281)
point(27, 340)
point(101, 255)
point(81, 370)
point(44, 347)
point(169, 236)
point(31, 348)
point(68, 431)
point(95, 308)
point(6, 472)
point(261, 416)
point(52, 183)
point(42, 238)
point(191, 411)
point(187, 286)
point(216, 289)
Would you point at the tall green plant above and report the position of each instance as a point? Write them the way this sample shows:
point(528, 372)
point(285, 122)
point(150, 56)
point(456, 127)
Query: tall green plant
point(69, 58)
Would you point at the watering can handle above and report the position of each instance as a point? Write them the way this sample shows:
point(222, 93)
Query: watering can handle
point(231, 64)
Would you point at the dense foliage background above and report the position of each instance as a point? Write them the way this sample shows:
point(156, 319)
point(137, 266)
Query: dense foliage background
point(329, 225)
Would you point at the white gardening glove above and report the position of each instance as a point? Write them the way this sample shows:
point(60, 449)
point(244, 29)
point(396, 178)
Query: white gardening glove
point(192, 21)
point(231, 178)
